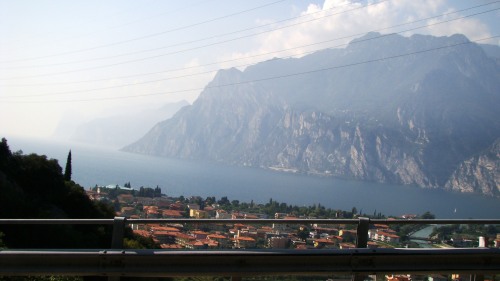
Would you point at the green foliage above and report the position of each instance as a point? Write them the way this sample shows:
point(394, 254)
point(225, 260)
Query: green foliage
point(428, 215)
point(68, 169)
point(148, 192)
point(33, 186)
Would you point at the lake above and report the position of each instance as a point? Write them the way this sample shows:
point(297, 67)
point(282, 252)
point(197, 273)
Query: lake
point(103, 166)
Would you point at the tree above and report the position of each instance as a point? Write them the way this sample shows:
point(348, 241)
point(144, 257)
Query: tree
point(4, 149)
point(157, 192)
point(428, 215)
point(67, 170)
point(224, 201)
point(354, 211)
point(303, 233)
point(235, 203)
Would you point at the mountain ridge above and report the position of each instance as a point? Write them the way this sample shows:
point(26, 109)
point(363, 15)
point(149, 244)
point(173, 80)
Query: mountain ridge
point(411, 119)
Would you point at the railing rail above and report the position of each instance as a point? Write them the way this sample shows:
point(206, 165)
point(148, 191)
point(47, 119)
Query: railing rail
point(116, 261)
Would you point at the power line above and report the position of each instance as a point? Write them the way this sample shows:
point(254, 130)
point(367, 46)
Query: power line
point(206, 72)
point(181, 51)
point(149, 35)
point(208, 45)
point(212, 37)
point(263, 79)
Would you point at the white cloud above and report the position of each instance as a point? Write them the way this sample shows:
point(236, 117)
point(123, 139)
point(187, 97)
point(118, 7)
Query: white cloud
point(346, 19)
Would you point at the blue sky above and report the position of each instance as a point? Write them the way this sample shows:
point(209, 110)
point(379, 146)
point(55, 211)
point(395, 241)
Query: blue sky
point(86, 59)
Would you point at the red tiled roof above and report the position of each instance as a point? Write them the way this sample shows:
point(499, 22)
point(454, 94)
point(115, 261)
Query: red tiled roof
point(216, 236)
point(199, 232)
point(245, 238)
point(184, 236)
point(172, 213)
point(247, 216)
point(143, 233)
point(165, 233)
point(170, 246)
point(324, 241)
point(164, 228)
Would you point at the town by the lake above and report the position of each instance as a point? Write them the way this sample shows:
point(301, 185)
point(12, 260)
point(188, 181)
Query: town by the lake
point(150, 203)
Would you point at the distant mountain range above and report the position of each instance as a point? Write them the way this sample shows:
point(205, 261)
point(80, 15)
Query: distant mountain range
point(120, 128)
point(417, 110)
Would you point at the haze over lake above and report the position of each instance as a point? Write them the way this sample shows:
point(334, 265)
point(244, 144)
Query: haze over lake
point(101, 166)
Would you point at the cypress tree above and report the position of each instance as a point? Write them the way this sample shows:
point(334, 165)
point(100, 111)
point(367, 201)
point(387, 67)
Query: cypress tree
point(67, 171)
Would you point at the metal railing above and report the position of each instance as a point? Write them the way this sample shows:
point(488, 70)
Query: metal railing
point(116, 261)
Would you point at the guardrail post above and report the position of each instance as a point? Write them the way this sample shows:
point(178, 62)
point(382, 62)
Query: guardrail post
point(117, 238)
point(118, 232)
point(362, 232)
point(361, 242)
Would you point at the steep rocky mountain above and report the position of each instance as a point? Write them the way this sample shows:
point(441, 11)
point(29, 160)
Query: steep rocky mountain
point(406, 110)
point(480, 173)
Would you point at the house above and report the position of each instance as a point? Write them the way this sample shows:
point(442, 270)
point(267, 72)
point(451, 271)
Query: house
point(210, 244)
point(143, 233)
point(152, 213)
point(170, 246)
point(278, 242)
point(222, 240)
point(198, 214)
point(348, 235)
point(221, 214)
point(145, 200)
point(199, 235)
point(125, 198)
point(400, 278)
point(280, 215)
point(192, 206)
point(243, 242)
point(195, 245)
point(387, 237)
point(330, 231)
point(172, 214)
point(324, 243)
point(163, 228)
point(184, 240)
point(162, 202)
point(237, 216)
point(347, 246)
point(210, 211)
point(165, 237)
point(176, 206)
point(127, 211)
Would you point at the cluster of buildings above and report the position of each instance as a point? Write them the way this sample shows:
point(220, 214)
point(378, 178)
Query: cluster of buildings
point(232, 235)
point(200, 235)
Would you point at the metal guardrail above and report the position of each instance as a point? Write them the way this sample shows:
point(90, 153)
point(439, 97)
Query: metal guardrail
point(116, 261)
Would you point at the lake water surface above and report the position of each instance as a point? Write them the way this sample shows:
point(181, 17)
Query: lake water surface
point(101, 166)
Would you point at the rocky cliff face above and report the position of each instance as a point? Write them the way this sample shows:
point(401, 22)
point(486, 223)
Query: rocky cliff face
point(479, 174)
point(412, 119)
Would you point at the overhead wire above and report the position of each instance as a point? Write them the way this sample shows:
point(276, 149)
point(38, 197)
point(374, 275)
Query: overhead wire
point(283, 50)
point(191, 49)
point(211, 71)
point(213, 36)
point(149, 35)
point(176, 52)
point(262, 79)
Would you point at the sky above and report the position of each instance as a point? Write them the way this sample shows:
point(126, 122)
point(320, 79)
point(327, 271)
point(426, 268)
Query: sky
point(73, 61)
